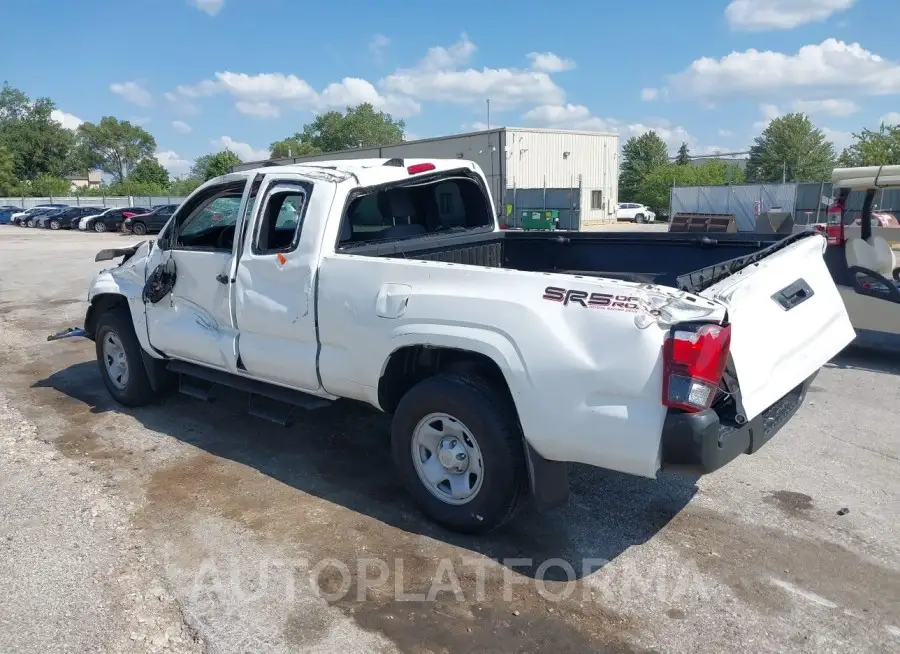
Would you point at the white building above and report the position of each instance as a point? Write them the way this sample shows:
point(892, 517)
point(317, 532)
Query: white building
point(574, 172)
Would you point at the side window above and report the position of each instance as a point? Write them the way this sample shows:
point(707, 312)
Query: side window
point(281, 218)
point(208, 220)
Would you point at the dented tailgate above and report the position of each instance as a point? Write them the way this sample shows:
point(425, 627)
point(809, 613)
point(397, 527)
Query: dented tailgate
point(787, 320)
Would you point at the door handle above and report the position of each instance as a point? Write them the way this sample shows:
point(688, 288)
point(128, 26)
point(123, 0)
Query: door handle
point(222, 278)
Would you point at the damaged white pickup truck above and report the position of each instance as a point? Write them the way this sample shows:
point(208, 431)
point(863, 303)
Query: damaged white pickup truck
point(501, 355)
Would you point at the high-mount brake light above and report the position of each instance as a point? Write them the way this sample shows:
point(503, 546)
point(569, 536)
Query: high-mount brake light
point(419, 168)
point(694, 360)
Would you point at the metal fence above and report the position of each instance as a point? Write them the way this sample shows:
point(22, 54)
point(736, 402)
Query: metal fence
point(565, 200)
point(93, 201)
point(808, 202)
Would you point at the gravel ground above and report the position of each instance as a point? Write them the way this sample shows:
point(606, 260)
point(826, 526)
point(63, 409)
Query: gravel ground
point(190, 526)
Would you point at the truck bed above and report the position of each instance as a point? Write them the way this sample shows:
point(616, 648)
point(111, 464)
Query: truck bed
point(682, 260)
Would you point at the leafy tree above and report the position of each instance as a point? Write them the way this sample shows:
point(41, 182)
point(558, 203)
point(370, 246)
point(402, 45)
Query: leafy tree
point(684, 155)
point(44, 186)
point(656, 186)
point(7, 172)
point(881, 148)
point(791, 146)
point(114, 146)
point(149, 171)
point(37, 143)
point(359, 127)
point(184, 186)
point(292, 147)
point(213, 165)
point(640, 155)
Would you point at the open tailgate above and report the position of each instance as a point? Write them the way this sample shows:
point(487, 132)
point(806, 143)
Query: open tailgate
point(787, 320)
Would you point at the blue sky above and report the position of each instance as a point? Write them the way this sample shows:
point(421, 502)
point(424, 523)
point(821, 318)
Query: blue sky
point(204, 74)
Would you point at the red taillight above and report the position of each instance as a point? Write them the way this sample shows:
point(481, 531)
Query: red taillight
point(419, 168)
point(693, 363)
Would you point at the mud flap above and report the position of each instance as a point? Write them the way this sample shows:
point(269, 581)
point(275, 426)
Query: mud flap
point(548, 480)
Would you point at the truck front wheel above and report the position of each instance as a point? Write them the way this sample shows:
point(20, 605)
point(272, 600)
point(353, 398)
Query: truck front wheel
point(459, 451)
point(120, 360)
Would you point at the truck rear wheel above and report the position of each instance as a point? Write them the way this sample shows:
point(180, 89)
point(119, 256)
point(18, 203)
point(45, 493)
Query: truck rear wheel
point(459, 451)
point(120, 360)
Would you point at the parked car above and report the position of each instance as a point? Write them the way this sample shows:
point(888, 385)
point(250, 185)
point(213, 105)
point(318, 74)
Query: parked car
point(66, 218)
point(6, 214)
point(22, 217)
point(639, 213)
point(28, 219)
point(149, 223)
point(497, 370)
point(111, 219)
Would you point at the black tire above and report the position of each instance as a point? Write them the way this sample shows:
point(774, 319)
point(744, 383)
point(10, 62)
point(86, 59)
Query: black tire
point(137, 391)
point(99, 226)
point(138, 229)
point(29, 223)
point(54, 224)
point(486, 412)
point(639, 218)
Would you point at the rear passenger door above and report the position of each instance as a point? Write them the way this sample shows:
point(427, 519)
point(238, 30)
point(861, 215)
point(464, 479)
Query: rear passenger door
point(274, 301)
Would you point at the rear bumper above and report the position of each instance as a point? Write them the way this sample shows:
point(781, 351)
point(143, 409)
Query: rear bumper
point(700, 443)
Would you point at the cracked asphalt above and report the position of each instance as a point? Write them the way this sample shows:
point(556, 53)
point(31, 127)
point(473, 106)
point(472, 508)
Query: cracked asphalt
point(192, 527)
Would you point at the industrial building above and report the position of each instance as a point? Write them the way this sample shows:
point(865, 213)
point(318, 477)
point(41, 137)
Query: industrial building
point(573, 172)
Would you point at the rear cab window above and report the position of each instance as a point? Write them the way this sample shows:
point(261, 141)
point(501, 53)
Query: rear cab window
point(450, 202)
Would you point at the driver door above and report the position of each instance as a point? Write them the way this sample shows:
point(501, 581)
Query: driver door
point(193, 322)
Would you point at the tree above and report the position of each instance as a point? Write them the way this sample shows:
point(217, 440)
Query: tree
point(7, 172)
point(881, 148)
point(292, 147)
point(656, 186)
point(213, 165)
point(149, 171)
point(359, 127)
point(793, 148)
point(640, 155)
point(684, 155)
point(184, 186)
point(37, 143)
point(114, 146)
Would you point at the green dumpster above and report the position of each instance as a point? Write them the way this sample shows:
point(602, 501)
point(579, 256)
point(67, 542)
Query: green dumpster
point(540, 219)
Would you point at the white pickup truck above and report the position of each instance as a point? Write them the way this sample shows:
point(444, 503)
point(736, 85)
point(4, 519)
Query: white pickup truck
point(501, 355)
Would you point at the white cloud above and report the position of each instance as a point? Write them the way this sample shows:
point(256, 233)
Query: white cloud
point(648, 95)
point(549, 63)
point(569, 116)
point(725, 133)
point(815, 69)
point(132, 92)
point(757, 15)
point(140, 120)
point(829, 107)
point(181, 127)
point(439, 77)
point(181, 104)
point(890, 118)
point(378, 45)
point(69, 121)
point(352, 91)
point(257, 109)
point(243, 150)
point(840, 139)
point(673, 135)
point(769, 113)
point(173, 162)
point(211, 7)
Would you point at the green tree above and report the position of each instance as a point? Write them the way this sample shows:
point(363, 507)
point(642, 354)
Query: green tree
point(7, 172)
point(185, 186)
point(292, 147)
point(213, 165)
point(881, 148)
point(684, 155)
point(43, 186)
point(149, 171)
point(793, 148)
point(114, 146)
point(656, 187)
point(38, 144)
point(359, 127)
point(640, 156)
